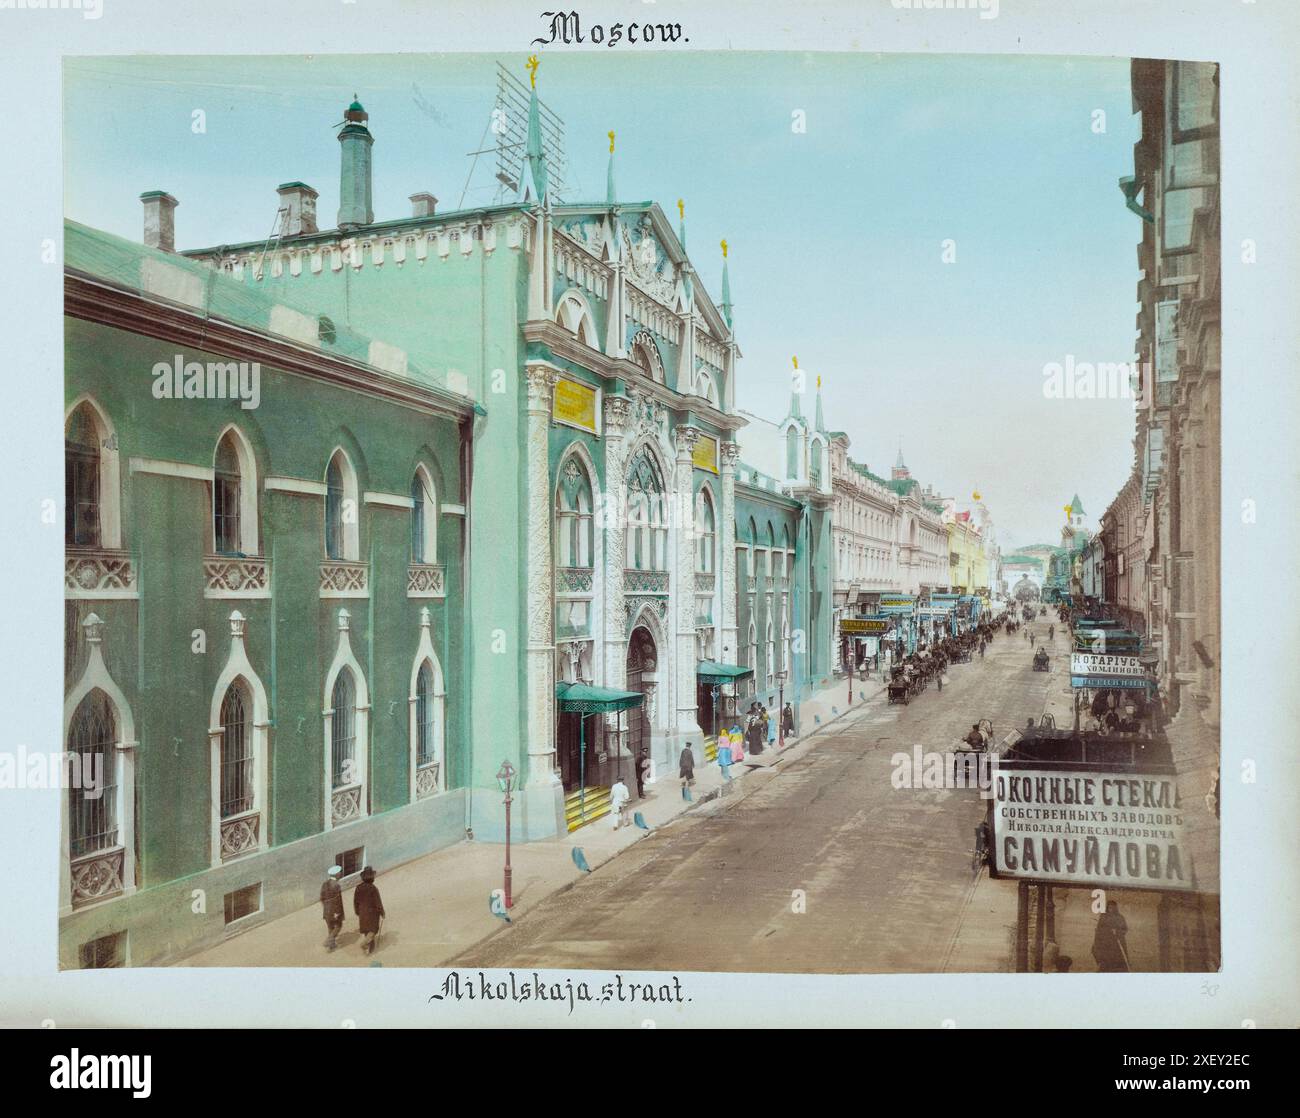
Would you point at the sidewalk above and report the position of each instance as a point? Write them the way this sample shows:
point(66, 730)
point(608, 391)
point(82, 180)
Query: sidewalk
point(440, 904)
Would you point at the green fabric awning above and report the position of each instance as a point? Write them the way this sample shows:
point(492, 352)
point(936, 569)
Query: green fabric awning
point(586, 699)
point(712, 672)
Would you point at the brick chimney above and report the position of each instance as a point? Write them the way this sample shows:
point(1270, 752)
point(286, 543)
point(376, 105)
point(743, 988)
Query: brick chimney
point(298, 200)
point(159, 223)
point(423, 205)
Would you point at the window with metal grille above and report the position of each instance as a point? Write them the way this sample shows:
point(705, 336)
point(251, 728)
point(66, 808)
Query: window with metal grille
point(352, 861)
point(81, 482)
point(104, 953)
point(243, 902)
point(424, 716)
point(236, 752)
point(343, 738)
point(225, 500)
point(334, 535)
point(92, 810)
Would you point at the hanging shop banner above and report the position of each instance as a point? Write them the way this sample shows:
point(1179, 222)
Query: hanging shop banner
point(1090, 828)
point(862, 626)
point(1088, 663)
point(897, 603)
point(705, 456)
point(575, 405)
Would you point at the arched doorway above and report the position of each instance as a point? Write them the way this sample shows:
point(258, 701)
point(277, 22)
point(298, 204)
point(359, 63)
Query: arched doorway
point(642, 660)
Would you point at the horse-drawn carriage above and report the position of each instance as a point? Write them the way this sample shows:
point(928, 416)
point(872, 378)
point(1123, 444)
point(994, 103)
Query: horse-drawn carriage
point(966, 755)
point(899, 688)
point(1041, 661)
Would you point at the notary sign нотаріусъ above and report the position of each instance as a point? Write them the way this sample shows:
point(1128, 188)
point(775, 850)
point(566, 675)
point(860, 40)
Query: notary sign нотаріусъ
point(1091, 663)
point(1089, 828)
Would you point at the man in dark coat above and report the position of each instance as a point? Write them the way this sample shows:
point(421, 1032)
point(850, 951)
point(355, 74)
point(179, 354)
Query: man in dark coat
point(369, 908)
point(331, 903)
point(1108, 946)
point(642, 772)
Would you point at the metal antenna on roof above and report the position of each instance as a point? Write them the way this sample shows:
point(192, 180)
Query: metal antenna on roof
point(276, 234)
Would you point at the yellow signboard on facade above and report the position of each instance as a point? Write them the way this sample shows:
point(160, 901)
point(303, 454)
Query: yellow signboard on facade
point(706, 454)
point(574, 404)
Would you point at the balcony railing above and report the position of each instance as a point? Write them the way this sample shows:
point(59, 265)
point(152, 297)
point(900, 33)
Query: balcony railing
point(425, 580)
point(236, 577)
point(645, 582)
point(99, 573)
point(345, 805)
point(343, 579)
point(240, 835)
point(574, 580)
point(98, 876)
point(426, 780)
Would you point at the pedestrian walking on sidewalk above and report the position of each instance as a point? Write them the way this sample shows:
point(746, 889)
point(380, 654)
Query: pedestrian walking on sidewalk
point(642, 772)
point(331, 903)
point(724, 754)
point(769, 724)
point(1108, 946)
point(686, 767)
point(787, 722)
point(737, 745)
point(369, 907)
point(618, 797)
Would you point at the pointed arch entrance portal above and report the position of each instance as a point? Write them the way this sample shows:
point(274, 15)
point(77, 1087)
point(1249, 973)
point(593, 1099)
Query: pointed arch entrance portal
point(642, 664)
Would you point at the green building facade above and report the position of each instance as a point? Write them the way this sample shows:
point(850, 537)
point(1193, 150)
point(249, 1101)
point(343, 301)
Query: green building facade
point(492, 453)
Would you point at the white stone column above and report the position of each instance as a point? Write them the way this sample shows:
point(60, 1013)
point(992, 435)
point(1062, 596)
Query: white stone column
point(540, 582)
point(682, 602)
point(612, 645)
point(727, 529)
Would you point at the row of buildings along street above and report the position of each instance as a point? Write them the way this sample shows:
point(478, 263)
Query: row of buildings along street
point(390, 533)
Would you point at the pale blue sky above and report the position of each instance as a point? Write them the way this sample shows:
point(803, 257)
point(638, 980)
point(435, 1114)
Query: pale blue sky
point(836, 233)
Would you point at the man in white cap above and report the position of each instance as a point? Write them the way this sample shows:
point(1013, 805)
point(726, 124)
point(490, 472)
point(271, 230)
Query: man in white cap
point(331, 903)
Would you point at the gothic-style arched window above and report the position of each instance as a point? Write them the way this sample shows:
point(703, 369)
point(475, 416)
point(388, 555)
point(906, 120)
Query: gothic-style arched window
point(226, 499)
point(424, 717)
point(573, 524)
point(343, 739)
point(92, 740)
point(237, 756)
point(81, 457)
point(705, 532)
point(424, 518)
point(341, 537)
point(647, 520)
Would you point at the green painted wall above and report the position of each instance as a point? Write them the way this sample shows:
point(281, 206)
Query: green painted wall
point(290, 637)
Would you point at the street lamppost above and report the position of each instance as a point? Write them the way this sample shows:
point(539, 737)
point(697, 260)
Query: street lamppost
point(780, 708)
point(506, 782)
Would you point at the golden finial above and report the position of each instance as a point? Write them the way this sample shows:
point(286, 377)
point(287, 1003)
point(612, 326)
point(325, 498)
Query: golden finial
point(724, 248)
point(819, 382)
point(532, 65)
point(976, 495)
point(1068, 510)
point(796, 361)
point(611, 143)
point(681, 209)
